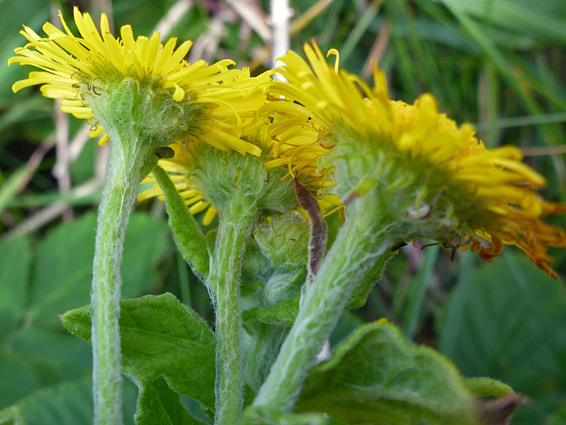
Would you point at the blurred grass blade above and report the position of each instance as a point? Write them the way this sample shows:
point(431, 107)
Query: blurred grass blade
point(417, 292)
point(522, 87)
point(520, 18)
point(12, 186)
point(359, 30)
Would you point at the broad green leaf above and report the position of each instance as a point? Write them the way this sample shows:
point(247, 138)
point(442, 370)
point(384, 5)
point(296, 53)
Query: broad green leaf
point(377, 376)
point(15, 259)
point(17, 379)
point(63, 270)
point(159, 405)
point(51, 404)
point(147, 240)
point(69, 403)
point(35, 359)
point(11, 416)
point(507, 320)
point(266, 416)
point(161, 337)
point(61, 357)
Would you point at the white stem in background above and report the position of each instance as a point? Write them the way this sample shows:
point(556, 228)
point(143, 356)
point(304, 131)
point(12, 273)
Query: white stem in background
point(280, 33)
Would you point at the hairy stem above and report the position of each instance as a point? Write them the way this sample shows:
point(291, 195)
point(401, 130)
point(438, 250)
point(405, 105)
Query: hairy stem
point(123, 175)
point(235, 227)
point(356, 249)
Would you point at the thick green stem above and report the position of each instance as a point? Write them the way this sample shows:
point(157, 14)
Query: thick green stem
point(235, 227)
point(358, 246)
point(123, 175)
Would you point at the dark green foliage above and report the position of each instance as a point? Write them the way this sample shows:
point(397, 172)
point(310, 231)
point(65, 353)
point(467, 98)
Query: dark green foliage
point(159, 405)
point(496, 63)
point(44, 369)
point(508, 321)
point(376, 376)
point(63, 268)
point(161, 337)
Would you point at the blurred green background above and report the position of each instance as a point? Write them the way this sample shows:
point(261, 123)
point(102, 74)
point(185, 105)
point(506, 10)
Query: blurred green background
point(499, 64)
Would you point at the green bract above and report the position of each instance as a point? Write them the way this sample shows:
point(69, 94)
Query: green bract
point(223, 175)
point(150, 112)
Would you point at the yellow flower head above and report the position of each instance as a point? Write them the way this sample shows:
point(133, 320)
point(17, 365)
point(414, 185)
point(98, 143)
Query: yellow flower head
point(201, 180)
point(76, 69)
point(438, 181)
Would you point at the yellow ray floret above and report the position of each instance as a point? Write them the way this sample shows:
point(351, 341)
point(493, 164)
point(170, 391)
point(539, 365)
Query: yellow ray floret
point(74, 65)
point(322, 107)
point(190, 193)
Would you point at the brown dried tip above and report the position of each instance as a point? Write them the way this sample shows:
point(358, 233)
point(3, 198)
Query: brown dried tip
point(318, 227)
point(499, 411)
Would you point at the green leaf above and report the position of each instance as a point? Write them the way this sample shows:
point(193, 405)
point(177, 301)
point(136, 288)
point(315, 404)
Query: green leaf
point(507, 320)
point(62, 357)
point(284, 241)
point(51, 404)
point(283, 286)
point(161, 337)
point(18, 379)
point(147, 240)
point(189, 237)
point(15, 259)
point(559, 418)
point(260, 345)
point(265, 327)
point(36, 365)
point(482, 387)
point(62, 275)
point(282, 314)
point(360, 294)
point(159, 405)
point(69, 403)
point(11, 416)
point(266, 416)
point(377, 376)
